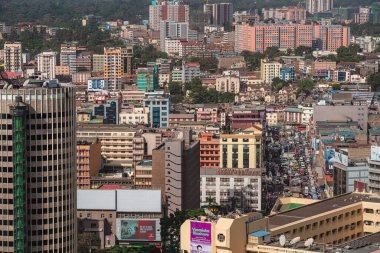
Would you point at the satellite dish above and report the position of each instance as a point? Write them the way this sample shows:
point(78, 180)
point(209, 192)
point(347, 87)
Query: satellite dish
point(282, 240)
point(309, 242)
point(295, 240)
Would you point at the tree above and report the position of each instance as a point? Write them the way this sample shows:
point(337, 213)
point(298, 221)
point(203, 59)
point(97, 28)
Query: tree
point(171, 227)
point(272, 52)
point(278, 84)
point(305, 86)
point(302, 50)
point(252, 60)
point(349, 53)
point(227, 97)
point(374, 81)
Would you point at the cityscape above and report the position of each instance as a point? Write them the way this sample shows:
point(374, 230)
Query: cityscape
point(190, 126)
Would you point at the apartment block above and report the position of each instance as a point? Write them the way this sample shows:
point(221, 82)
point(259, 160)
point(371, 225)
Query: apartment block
point(89, 161)
point(134, 116)
point(176, 172)
point(12, 56)
point(46, 64)
point(257, 37)
point(147, 78)
point(98, 62)
point(159, 109)
point(242, 149)
point(290, 13)
point(220, 14)
point(167, 10)
point(270, 70)
point(117, 67)
point(209, 151)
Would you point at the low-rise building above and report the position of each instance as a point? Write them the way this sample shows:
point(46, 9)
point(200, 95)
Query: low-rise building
point(227, 83)
point(89, 161)
point(209, 151)
point(134, 116)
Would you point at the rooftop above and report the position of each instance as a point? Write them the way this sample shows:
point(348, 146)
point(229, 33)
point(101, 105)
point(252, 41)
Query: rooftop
point(323, 206)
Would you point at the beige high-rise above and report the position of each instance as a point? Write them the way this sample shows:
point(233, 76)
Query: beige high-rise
point(37, 169)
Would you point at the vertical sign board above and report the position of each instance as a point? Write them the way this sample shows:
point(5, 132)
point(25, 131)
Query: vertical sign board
point(200, 237)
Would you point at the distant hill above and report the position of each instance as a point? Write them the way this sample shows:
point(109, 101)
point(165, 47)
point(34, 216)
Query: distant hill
point(59, 12)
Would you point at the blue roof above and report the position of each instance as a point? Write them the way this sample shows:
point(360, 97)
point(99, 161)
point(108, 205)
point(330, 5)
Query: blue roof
point(259, 233)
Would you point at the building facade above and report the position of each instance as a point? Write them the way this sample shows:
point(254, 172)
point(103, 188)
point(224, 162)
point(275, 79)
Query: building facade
point(158, 104)
point(13, 56)
point(167, 10)
point(89, 161)
point(46, 63)
point(38, 169)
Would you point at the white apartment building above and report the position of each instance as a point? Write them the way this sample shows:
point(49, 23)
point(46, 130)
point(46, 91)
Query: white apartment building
point(172, 47)
point(241, 186)
point(137, 115)
point(46, 63)
point(228, 84)
point(270, 70)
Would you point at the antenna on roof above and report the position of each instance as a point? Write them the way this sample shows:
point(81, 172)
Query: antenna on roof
point(309, 242)
point(282, 240)
point(294, 240)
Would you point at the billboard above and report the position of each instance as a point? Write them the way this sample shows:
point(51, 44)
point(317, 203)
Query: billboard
point(200, 237)
point(341, 158)
point(329, 160)
point(95, 84)
point(375, 153)
point(138, 230)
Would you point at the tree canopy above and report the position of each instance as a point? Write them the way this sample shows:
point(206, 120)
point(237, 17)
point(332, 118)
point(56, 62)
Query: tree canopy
point(305, 86)
point(278, 84)
point(200, 94)
point(349, 53)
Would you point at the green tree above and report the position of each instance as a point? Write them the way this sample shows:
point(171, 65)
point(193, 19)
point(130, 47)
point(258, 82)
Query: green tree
point(227, 97)
point(252, 60)
point(171, 227)
point(278, 84)
point(302, 50)
point(349, 53)
point(374, 81)
point(305, 86)
point(272, 52)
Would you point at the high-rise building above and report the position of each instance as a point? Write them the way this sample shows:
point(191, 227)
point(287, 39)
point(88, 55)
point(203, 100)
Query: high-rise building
point(46, 63)
point(68, 57)
point(270, 70)
point(147, 78)
point(220, 14)
point(13, 56)
point(117, 66)
point(167, 10)
point(172, 30)
point(176, 171)
point(89, 161)
point(38, 189)
point(290, 13)
point(376, 12)
point(259, 36)
point(98, 63)
point(314, 6)
point(158, 104)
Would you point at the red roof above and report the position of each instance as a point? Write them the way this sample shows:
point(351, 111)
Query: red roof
point(192, 64)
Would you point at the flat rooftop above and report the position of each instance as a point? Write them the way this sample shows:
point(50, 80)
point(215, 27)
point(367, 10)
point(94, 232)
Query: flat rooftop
point(307, 211)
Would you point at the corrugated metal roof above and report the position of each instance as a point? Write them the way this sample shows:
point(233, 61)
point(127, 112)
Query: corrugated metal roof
point(138, 201)
point(96, 200)
point(123, 200)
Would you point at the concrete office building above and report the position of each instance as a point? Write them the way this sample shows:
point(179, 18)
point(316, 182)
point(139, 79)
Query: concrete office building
point(38, 189)
point(374, 170)
point(350, 168)
point(347, 113)
point(259, 36)
point(173, 30)
point(290, 13)
point(110, 213)
point(313, 6)
point(220, 14)
point(175, 171)
point(143, 174)
point(68, 56)
point(122, 146)
point(147, 78)
point(190, 70)
point(89, 161)
point(332, 223)
point(239, 187)
point(241, 149)
point(46, 63)
point(12, 56)
point(167, 10)
point(159, 109)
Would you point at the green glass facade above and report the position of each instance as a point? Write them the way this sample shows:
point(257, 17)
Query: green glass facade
point(19, 113)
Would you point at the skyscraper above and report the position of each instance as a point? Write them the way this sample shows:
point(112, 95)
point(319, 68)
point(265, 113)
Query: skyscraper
point(13, 56)
point(167, 10)
point(220, 14)
point(117, 66)
point(314, 6)
point(37, 169)
point(46, 62)
point(172, 30)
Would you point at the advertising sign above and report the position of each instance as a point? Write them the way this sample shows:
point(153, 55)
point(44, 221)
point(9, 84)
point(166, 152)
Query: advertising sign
point(341, 158)
point(329, 160)
point(200, 237)
point(95, 84)
point(375, 153)
point(138, 230)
